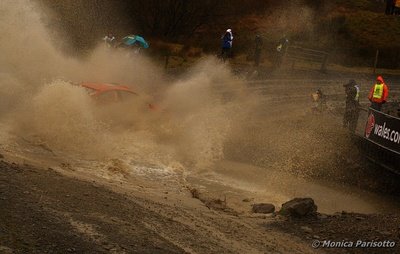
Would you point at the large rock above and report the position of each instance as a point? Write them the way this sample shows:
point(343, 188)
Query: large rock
point(263, 208)
point(299, 207)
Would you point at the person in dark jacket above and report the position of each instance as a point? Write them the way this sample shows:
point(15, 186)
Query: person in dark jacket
point(351, 112)
point(227, 40)
point(389, 7)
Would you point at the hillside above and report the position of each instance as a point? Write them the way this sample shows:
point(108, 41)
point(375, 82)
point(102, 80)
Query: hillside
point(351, 31)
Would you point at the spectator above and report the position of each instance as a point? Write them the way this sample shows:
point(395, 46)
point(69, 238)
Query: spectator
point(351, 113)
point(283, 44)
point(227, 39)
point(389, 7)
point(319, 99)
point(109, 40)
point(378, 94)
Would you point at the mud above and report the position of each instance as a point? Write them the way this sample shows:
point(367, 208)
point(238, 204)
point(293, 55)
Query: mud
point(64, 215)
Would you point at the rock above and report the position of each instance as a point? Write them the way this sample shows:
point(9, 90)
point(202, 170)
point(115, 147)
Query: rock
point(322, 217)
point(299, 207)
point(195, 193)
point(248, 199)
point(306, 229)
point(263, 208)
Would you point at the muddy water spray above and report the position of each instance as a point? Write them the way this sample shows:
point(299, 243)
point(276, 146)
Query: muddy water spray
point(63, 116)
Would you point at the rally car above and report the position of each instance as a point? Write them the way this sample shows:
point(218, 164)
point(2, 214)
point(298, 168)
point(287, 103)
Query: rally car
point(105, 93)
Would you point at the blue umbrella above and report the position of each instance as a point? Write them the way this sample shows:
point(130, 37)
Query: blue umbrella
point(132, 39)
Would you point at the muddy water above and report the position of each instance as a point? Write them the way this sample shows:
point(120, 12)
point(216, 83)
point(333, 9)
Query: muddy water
point(237, 181)
point(142, 160)
point(153, 171)
point(226, 180)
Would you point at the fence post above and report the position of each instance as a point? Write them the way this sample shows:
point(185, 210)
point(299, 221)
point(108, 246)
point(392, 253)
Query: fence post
point(376, 60)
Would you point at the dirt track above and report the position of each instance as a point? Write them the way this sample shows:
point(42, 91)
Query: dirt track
point(43, 211)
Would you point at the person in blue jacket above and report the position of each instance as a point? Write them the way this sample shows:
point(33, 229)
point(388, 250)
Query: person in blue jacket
point(227, 39)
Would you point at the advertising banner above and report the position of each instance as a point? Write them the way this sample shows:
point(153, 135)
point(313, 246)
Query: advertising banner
point(383, 130)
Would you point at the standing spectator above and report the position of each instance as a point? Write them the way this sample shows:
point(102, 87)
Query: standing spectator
point(258, 48)
point(389, 7)
point(109, 40)
point(378, 94)
point(351, 113)
point(319, 99)
point(283, 44)
point(227, 39)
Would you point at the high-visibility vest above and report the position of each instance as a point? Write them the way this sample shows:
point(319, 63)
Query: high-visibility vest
point(378, 91)
point(358, 93)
